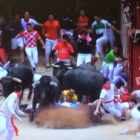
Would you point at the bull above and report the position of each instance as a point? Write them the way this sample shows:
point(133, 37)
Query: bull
point(46, 92)
point(84, 79)
point(19, 75)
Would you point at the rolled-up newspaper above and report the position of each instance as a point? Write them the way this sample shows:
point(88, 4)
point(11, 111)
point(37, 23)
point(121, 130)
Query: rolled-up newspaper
point(18, 118)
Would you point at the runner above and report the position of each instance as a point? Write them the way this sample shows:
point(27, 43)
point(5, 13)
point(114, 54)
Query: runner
point(108, 63)
point(31, 37)
point(65, 50)
point(8, 110)
point(24, 22)
point(84, 48)
point(51, 30)
point(15, 27)
point(100, 27)
point(107, 99)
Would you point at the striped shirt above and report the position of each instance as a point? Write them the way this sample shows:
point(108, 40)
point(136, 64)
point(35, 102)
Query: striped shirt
point(10, 106)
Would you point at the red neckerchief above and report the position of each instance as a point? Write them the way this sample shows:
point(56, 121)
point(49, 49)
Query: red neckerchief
point(105, 87)
point(19, 96)
point(26, 20)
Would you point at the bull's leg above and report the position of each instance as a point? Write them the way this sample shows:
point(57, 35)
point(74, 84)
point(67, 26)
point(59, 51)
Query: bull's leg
point(33, 110)
point(30, 93)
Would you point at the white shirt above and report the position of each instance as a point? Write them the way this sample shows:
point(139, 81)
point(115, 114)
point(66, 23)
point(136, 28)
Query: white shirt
point(8, 67)
point(107, 95)
point(10, 105)
point(118, 70)
point(101, 28)
point(32, 21)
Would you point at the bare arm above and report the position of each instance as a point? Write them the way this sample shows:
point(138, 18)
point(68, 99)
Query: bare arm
point(98, 106)
point(39, 24)
point(115, 29)
point(42, 43)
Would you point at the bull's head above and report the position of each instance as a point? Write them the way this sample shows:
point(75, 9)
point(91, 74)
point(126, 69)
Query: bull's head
point(59, 69)
point(45, 92)
point(8, 84)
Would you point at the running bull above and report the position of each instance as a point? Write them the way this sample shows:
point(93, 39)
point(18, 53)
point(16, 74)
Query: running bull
point(85, 80)
point(19, 75)
point(46, 92)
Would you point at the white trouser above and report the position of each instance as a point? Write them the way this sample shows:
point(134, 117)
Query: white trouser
point(83, 58)
point(110, 107)
point(64, 60)
point(32, 54)
point(15, 43)
point(117, 79)
point(50, 44)
point(111, 37)
point(99, 44)
point(5, 123)
point(108, 70)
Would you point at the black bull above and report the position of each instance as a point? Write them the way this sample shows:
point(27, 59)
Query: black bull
point(21, 75)
point(46, 92)
point(84, 79)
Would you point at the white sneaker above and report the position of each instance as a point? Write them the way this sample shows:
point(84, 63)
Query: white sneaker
point(124, 131)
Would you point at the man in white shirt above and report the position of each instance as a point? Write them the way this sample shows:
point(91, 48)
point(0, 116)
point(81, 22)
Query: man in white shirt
point(24, 22)
point(107, 99)
point(8, 110)
point(100, 27)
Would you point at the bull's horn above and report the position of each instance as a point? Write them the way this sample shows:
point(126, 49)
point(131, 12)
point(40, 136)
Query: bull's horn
point(35, 83)
point(67, 64)
point(70, 68)
point(53, 84)
point(55, 66)
point(16, 80)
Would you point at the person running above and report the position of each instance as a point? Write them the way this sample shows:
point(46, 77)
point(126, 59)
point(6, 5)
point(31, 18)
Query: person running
point(31, 37)
point(107, 99)
point(82, 21)
point(52, 32)
point(84, 48)
point(108, 62)
point(15, 27)
point(24, 22)
point(8, 111)
point(65, 50)
point(99, 26)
